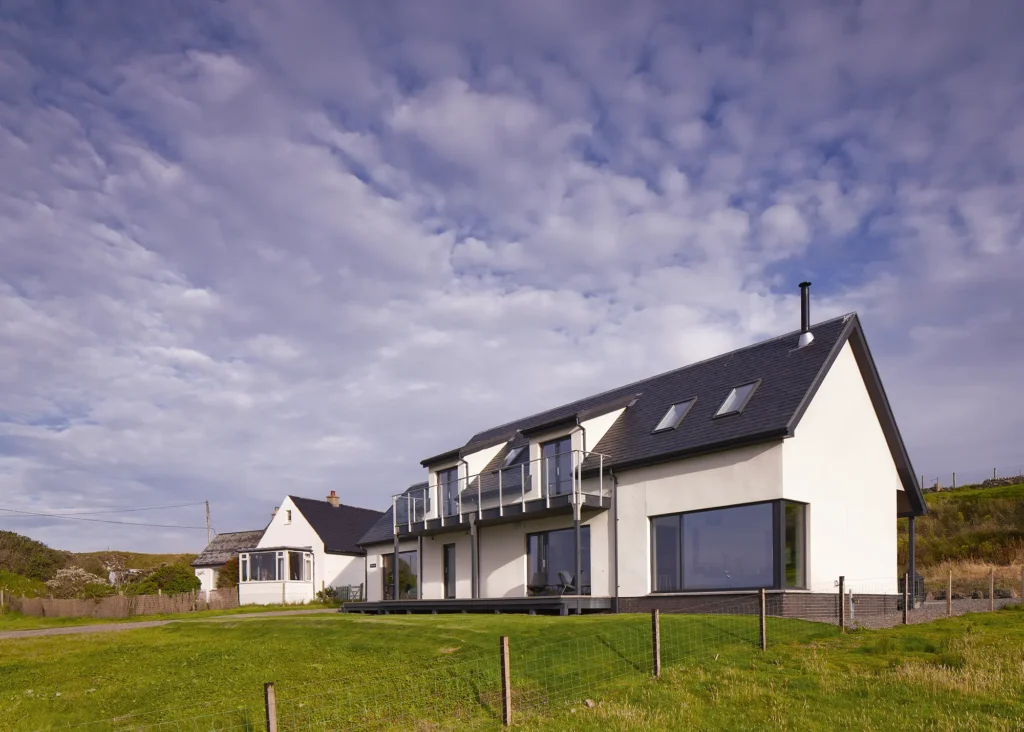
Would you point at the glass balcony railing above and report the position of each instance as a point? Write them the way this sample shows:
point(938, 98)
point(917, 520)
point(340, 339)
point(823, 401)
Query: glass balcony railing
point(542, 479)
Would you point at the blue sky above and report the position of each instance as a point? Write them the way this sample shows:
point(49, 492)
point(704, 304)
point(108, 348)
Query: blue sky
point(252, 249)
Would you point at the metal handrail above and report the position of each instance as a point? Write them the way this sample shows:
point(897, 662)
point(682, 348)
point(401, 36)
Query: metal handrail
point(420, 509)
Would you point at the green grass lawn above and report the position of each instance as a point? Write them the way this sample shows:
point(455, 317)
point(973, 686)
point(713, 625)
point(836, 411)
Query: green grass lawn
point(433, 672)
point(17, 621)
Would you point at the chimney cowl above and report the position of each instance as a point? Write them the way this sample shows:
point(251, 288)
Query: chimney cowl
point(333, 499)
point(805, 315)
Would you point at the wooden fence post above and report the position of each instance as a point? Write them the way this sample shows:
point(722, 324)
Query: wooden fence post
point(842, 604)
point(656, 642)
point(764, 627)
point(906, 598)
point(1022, 584)
point(949, 595)
point(270, 704)
point(992, 588)
point(506, 684)
point(1, 599)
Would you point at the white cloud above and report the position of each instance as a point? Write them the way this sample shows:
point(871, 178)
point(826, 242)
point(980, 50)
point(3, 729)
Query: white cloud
point(237, 269)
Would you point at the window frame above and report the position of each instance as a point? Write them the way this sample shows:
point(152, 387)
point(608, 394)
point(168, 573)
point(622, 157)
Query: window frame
point(743, 405)
point(281, 561)
point(585, 567)
point(679, 420)
point(778, 548)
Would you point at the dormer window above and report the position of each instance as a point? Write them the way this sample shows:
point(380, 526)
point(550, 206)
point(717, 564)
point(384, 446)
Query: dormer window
point(737, 399)
point(674, 416)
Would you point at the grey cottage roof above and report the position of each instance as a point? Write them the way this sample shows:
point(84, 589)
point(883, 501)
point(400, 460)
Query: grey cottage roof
point(787, 378)
point(227, 546)
point(340, 527)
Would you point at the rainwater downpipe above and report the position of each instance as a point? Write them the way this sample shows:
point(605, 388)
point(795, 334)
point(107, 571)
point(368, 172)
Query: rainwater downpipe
point(615, 536)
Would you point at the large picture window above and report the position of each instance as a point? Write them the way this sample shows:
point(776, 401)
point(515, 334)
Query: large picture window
point(734, 548)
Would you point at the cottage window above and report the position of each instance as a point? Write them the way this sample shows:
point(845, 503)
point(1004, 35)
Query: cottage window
point(734, 548)
point(263, 567)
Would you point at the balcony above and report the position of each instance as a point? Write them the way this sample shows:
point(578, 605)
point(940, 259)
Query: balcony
point(545, 486)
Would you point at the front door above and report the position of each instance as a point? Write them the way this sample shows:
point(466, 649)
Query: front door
point(449, 571)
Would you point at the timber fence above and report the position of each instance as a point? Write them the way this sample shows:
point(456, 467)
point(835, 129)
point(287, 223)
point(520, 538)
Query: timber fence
point(536, 671)
point(125, 606)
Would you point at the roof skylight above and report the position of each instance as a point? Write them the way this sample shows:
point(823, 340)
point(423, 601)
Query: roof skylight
point(513, 454)
point(674, 415)
point(737, 399)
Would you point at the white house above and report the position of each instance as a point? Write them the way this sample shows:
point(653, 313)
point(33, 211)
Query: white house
point(308, 546)
point(776, 466)
point(219, 552)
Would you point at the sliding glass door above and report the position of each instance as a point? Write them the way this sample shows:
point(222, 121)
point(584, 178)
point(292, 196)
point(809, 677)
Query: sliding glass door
point(551, 562)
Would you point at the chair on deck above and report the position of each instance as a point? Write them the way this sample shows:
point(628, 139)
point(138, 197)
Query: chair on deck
point(566, 584)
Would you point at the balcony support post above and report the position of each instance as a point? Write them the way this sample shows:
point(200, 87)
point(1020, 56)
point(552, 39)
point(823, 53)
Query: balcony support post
point(501, 498)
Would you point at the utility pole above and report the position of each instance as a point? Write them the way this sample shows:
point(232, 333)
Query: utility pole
point(207, 523)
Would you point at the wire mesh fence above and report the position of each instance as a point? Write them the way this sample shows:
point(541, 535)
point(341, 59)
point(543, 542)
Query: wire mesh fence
point(465, 688)
point(999, 475)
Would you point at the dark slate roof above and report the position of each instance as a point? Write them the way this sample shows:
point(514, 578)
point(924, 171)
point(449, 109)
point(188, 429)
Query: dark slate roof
point(787, 379)
point(340, 527)
point(227, 546)
point(384, 528)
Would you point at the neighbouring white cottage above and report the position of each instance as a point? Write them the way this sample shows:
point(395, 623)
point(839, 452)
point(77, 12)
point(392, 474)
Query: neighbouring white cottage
point(776, 466)
point(308, 546)
point(222, 549)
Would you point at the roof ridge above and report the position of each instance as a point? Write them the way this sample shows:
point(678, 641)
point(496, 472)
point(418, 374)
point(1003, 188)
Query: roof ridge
point(659, 375)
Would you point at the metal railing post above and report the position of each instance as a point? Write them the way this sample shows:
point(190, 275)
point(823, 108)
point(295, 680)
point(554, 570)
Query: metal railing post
point(394, 514)
point(460, 496)
point(501, 499)
point(479, 497)
point(408, 510)
point(522, 483)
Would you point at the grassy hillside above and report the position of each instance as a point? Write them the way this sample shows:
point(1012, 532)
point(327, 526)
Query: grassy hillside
point(25, 564)
point(136, 560)
point(970, 524)
point(441, 672)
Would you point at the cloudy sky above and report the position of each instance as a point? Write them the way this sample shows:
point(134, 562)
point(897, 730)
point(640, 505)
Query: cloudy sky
point(249, 249)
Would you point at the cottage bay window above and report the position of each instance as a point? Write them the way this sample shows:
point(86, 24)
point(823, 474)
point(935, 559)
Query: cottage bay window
point(734, 548)
point(275, 566)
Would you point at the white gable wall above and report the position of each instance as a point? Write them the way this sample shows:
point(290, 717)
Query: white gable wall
point(839, 462)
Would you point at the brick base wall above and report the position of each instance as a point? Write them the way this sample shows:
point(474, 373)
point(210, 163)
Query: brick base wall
point(823, 606)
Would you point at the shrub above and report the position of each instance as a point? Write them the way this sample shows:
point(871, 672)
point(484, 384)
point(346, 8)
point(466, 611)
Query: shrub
point(172, 579)
point(72, 582)
point(228, 575)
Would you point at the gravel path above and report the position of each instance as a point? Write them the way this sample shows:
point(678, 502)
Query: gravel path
point(116, 627)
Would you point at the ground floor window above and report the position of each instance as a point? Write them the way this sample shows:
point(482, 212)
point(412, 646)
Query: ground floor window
point(733, 548)
point(551, 562)
point(408, 576)
point(275, 566)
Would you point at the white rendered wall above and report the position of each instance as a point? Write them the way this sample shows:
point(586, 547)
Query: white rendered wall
point(503, 558)
point(208, 577)
point(338, 570)
point(296, 534)
point(274, 593)
point(743, 475)
point(840, 463)
point(597, 427)
point(433, 565)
